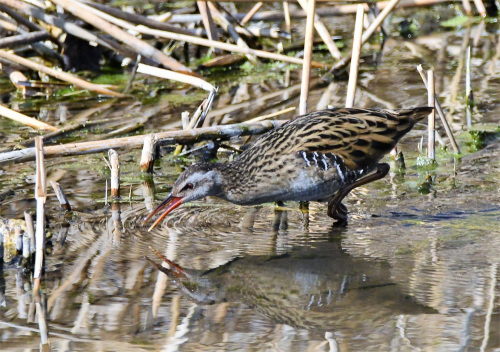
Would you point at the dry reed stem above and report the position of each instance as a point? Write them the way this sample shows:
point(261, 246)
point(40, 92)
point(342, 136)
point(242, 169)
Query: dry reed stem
point(251, 13)
point(431, 136)
point(389, 6)
point(23, 39)
point(176, 76)
point(469, 99)
point(170, 137)
point(356, 53)
point(58, 74)
point(81, 11)
point(114, 162)
point(30, 230)
point(286, 14)
point(148, 154)
point(25, 120)
point(224, 46)
point(467, 7)
point(306, 69)
point(61, 197)
point(274, 114)
point(229, 29)
point(323, 32)
point(40, 196)
point(480, 8)
point(208, 21)
point(441, 114)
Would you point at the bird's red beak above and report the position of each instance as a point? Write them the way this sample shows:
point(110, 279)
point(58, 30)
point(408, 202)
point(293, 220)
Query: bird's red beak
point(169, 204)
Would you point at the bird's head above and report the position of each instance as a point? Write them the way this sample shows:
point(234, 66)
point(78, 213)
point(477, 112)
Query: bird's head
point(196, 182)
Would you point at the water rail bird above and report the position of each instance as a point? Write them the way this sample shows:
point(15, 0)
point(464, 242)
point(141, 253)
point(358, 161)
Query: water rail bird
point(320, 156)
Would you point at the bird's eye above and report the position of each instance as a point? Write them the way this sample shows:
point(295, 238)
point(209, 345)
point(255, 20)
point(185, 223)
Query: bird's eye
point(189, 186)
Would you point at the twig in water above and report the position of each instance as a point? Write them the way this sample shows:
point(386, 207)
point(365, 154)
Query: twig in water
point(306, 69)
point(30, 230)
point(208, 21)
point(286, 13)
point(467, 7)
point(431, 143)
point(444, 121)
point(274, 114)
point(23, 39)
point(132, 75)
point(356, 52)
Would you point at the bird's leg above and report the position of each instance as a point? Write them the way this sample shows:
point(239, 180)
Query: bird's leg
point(336, 209)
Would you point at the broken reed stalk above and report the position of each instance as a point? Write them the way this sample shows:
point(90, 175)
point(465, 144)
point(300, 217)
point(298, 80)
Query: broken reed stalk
point(61, 197)
point(467, 7)
point(25, 120)
point(40, 196)
point(175, 76)
point(81, 11)
point(163, 138)
point(389, 6)
point(147, 193)
point(440, 112)
point(148, 153)
point(431, 126)
point(306, 68)
point(480, 8)
point(42, 323)
point(356, 53)
point(469, 97)
point(323, 32)
point(26, 246)
point(23, 39)
point(251, 13)
point(114, 162)
point(30, 230)
point(63, 76)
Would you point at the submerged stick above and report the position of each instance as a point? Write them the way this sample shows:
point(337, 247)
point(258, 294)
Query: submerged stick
point(431, 139)
point(440, 112)
point(40, 196)
point(148, 153)
point(114, 162)
point(61, 197)
point(25, 120)
point(58, 74)
point(171, 137)
point(306, 69)
point(356, 52)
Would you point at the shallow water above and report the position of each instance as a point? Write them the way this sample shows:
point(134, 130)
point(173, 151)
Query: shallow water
point(414, 269)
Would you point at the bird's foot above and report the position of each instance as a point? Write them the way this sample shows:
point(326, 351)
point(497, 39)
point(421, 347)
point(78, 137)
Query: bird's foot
point(338, 212)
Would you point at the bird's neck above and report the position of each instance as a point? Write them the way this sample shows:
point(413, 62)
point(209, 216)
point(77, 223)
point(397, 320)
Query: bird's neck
point(236, 182)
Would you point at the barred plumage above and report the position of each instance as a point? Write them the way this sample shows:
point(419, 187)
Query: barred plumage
point(318, 156)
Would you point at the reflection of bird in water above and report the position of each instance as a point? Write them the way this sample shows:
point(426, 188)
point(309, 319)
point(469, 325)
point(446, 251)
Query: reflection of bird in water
point(318, 156)
point(319, 288)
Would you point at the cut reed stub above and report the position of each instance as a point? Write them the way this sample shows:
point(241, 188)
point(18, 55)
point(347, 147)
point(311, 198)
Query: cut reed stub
point(431, 146)
point(148, 154)
point(114, 163)
point(61, 197)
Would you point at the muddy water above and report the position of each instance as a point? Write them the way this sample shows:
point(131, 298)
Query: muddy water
point(416, 268)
